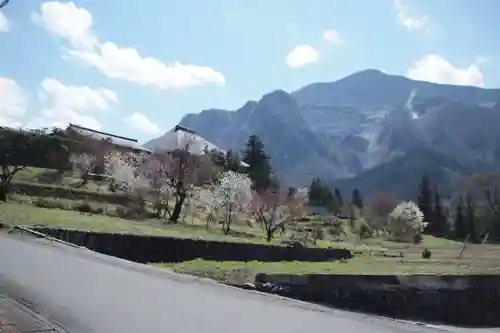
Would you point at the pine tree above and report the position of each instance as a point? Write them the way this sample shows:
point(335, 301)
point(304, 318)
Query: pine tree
point(315, 192)
point(470, 217)
point(338, 197)
point(459, 222)
point(259, 170)
point(232, 161)
point(424, 202)
point(440, 221)
point(356, 199)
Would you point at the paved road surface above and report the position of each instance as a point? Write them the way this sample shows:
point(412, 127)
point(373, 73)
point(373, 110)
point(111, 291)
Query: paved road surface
point(89, 292)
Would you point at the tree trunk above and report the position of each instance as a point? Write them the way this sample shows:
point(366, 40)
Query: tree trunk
point(176, 213)
point(4, 187)
point(269, 234)
point(3, 192)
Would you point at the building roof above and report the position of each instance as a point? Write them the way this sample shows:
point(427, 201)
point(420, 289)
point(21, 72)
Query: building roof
point(111, 138)
point(181, 137)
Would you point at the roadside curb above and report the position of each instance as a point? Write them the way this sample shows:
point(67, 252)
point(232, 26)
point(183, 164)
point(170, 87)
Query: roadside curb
point(38, 234)
point(21, 319)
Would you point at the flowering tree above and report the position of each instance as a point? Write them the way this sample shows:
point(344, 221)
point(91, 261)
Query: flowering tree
point(126, 171)
point(176, 172)
point(233, 194)
point(83, 164)
point(206, 200)
point(406, 222)
point(274, 208)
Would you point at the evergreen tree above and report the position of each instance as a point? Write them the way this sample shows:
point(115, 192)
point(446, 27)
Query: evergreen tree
point(259, 170)
point(460, 225)
point(315, 192)
point(440, 220)
point(356, 199)
point(424, 202)
point(338, 197)
point(232, 161)
point(470, 217)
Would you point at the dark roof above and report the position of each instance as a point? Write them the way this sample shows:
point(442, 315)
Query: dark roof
point(184, 129)
point(113, 139)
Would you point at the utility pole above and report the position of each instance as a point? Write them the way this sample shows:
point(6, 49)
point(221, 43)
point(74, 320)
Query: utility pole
point(3, 3)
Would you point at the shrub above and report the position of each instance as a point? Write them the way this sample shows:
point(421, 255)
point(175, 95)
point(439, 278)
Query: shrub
point(89, 208)
point(50, 203)
point(426, 254)
point(335, 227)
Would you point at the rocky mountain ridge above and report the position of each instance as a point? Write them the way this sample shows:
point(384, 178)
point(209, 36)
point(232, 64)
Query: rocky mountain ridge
point(371, 130)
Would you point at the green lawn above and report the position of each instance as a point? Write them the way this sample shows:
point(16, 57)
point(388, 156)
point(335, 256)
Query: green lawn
point(26, 214)
point(361, 264)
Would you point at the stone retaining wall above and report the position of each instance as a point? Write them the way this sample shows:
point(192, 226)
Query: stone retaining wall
point(155, 249)
point(452, 299)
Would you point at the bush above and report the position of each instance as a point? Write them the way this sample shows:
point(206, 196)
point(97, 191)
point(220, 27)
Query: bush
point(335, 227)
point(89, 208)
point(50, 203)
point(130, 213)
point(426, 254)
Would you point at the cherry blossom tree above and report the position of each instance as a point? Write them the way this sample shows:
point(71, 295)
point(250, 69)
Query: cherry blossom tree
point(83, 164)
point(275, 208)
point(206, 201)
point(406, 222)
point(233, 194)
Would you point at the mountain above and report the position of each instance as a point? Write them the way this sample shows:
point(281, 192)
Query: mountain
point(370, 130)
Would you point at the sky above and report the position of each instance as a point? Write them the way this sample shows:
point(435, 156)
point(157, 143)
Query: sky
point(134, 68)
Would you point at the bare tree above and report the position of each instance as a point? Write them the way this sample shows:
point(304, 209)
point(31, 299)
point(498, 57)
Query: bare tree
point(3, 3)
point(486, 184)
point(378, 209)
point(275, 208)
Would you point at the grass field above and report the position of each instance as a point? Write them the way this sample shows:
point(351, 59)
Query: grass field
point(24, 214)
point(360, 264)
point(373, 255)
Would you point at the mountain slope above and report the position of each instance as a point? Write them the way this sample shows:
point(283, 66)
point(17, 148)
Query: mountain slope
point(369, 130)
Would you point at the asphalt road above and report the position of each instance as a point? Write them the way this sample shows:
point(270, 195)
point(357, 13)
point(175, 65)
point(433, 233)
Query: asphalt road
point(88, 292)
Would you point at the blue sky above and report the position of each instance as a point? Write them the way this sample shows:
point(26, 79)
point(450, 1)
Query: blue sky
point(134, 69)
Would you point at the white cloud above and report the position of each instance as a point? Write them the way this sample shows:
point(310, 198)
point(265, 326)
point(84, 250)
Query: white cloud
point(12, 103)
point(411, 20)
point(67, 21)
point(140, 123)
point(332, 36)
point(78, 98)
point(302, 55)
point(74, 24)
point(68, 104)
point(434, 68)
point(4, 23)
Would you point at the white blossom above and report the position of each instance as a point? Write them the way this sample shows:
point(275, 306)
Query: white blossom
point(82, 163)
point(125, 170)
point(234, 191)
point(406, 221)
